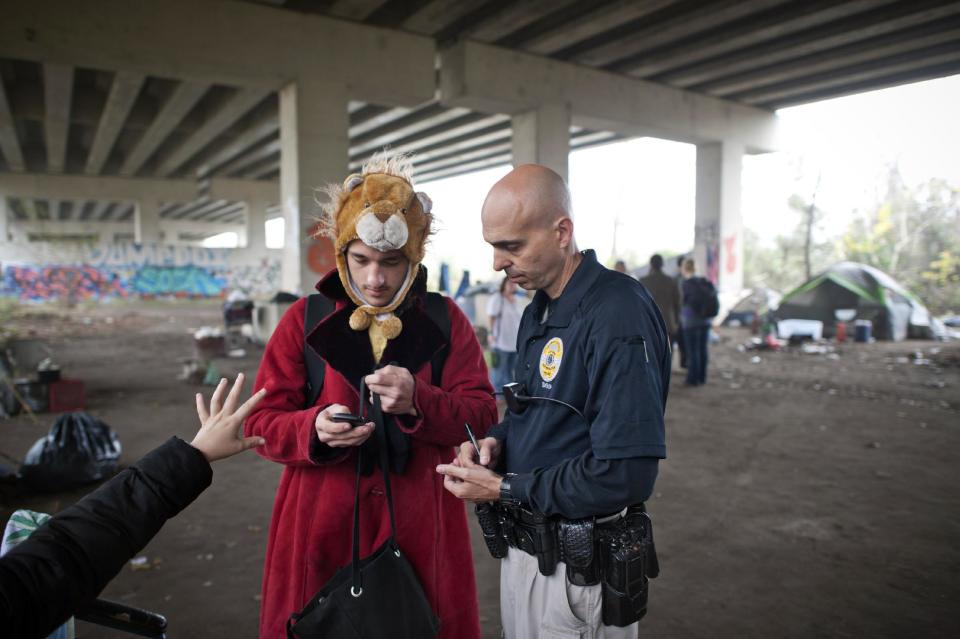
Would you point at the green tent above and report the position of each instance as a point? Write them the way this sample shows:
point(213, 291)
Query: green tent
point(869, 292)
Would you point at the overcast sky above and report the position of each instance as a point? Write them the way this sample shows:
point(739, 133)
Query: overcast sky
point(645, 187)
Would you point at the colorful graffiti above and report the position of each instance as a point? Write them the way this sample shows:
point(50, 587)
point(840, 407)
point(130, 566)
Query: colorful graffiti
point(121, 271)
point(61, 282)
point(179, 281)
point(729, 248)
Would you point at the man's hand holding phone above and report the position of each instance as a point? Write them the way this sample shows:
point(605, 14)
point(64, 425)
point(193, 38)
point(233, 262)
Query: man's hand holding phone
point(337, 428)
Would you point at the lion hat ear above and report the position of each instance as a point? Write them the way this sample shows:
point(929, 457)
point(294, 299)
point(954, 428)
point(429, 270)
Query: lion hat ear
point(353, 181)
point(425, 202)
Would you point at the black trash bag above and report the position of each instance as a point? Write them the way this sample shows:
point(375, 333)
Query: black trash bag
point(78, 450)
point(282, 297)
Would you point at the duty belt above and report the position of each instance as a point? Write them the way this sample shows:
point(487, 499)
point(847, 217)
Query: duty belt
point(616, 550)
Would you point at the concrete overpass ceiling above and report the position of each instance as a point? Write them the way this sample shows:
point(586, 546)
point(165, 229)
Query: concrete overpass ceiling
point(73, 120)
point(767, 53)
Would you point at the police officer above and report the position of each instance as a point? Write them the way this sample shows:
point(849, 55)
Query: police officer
point(594, 340)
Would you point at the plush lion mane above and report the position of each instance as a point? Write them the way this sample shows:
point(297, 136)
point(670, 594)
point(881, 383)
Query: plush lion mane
point(386, 162)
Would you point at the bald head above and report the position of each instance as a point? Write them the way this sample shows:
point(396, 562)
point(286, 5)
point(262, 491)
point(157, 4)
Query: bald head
point(529, 195)
point(527, 219)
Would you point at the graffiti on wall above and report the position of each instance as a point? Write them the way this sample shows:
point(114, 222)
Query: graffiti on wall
point(56, 282)
point(144, 271)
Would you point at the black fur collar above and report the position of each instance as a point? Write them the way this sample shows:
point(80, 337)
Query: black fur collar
point(348, 351)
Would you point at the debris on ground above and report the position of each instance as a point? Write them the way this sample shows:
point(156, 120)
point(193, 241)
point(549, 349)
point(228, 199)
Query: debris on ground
point(140, 563)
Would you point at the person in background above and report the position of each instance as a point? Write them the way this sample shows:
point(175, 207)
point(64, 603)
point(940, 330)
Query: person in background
point(620, 267)
point(679, 284)
point(504, 310)
point(695, 324)
point(666, 294)
point(66, 562)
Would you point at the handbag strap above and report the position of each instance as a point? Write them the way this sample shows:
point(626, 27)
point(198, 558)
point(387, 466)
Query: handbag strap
point(377, 414)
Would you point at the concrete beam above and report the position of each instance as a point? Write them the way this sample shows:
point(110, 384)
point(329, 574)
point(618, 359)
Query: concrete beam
point(513, 18)
point(6, 216)
point(104, 188)
point(57, 93)
point(261, 172)
point(123, 92)
point(9, 143)
point(441, 135)
point(433, 16)
point(245, 190)
point(482, 152)
point(463, 169)
point(146, 222)
point(647, 34)
point(184, 98)
point(265, 125)
point(542, 136)
point(314, 152)
point(838, 79)
point(235, 108)
point(354, 9)
point(254, 234)
point(883, 21)
point(247, 160)
point(494, 80)
point(168, 228)
point(939, 32)
point(99, 210)
point(718, 231)
point(767, 27)
point(202, 212)
point(264, 47)
point(416, 131)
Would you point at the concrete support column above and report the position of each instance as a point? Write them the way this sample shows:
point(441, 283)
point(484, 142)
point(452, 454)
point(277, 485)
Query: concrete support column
point(4, 220)
point(542, 136)
point(146, 222)
point(314, 151)
point(718, 237)
point(254, 233)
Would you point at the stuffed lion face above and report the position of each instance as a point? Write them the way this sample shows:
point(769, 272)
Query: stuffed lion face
point(383, 212)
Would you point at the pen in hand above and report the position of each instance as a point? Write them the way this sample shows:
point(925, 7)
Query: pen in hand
point(473, 440)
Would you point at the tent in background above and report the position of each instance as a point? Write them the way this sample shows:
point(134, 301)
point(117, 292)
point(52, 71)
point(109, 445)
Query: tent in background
point(896, 314)
point(755, 303)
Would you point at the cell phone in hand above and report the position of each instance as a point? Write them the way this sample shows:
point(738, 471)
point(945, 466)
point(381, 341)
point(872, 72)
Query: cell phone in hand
point(347, 418)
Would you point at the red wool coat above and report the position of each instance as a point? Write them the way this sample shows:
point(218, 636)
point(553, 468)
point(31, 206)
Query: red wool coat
point(310, 533)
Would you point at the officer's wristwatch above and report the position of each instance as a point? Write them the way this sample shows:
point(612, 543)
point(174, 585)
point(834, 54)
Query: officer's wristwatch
point(506, 495)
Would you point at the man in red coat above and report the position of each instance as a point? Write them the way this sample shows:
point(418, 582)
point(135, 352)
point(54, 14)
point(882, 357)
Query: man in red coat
point(379, 226)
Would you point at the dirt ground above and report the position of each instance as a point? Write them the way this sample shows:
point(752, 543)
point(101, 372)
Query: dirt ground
point(805, 495)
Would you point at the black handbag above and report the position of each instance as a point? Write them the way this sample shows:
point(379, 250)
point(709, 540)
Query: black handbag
point(378, 596)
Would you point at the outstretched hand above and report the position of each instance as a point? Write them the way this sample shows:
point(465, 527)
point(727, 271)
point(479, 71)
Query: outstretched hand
point(221, 427)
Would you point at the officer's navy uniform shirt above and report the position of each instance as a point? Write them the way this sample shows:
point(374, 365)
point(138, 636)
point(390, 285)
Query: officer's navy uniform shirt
point(603, 348)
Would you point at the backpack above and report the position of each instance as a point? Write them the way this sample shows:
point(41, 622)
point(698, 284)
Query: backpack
point(706, 303)
point(319, 306)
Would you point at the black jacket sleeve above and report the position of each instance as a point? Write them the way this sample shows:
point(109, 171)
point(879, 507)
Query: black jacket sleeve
point(614, 485)
point(67, 562)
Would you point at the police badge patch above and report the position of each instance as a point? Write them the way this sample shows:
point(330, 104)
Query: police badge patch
point(550, 359)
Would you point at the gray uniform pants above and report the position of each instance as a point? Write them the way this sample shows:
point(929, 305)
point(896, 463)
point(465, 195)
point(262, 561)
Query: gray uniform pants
point(533, 606)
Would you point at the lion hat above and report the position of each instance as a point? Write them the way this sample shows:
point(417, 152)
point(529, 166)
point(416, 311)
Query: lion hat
point(379, 207)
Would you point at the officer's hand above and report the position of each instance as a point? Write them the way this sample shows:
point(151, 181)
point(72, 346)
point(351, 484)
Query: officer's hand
point(340, 434)
point(221, 427)
point(475, 484)
point(395, 386)
point(489, 453)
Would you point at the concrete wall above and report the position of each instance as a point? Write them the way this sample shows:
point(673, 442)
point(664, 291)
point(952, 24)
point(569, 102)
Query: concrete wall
point(46, 271)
